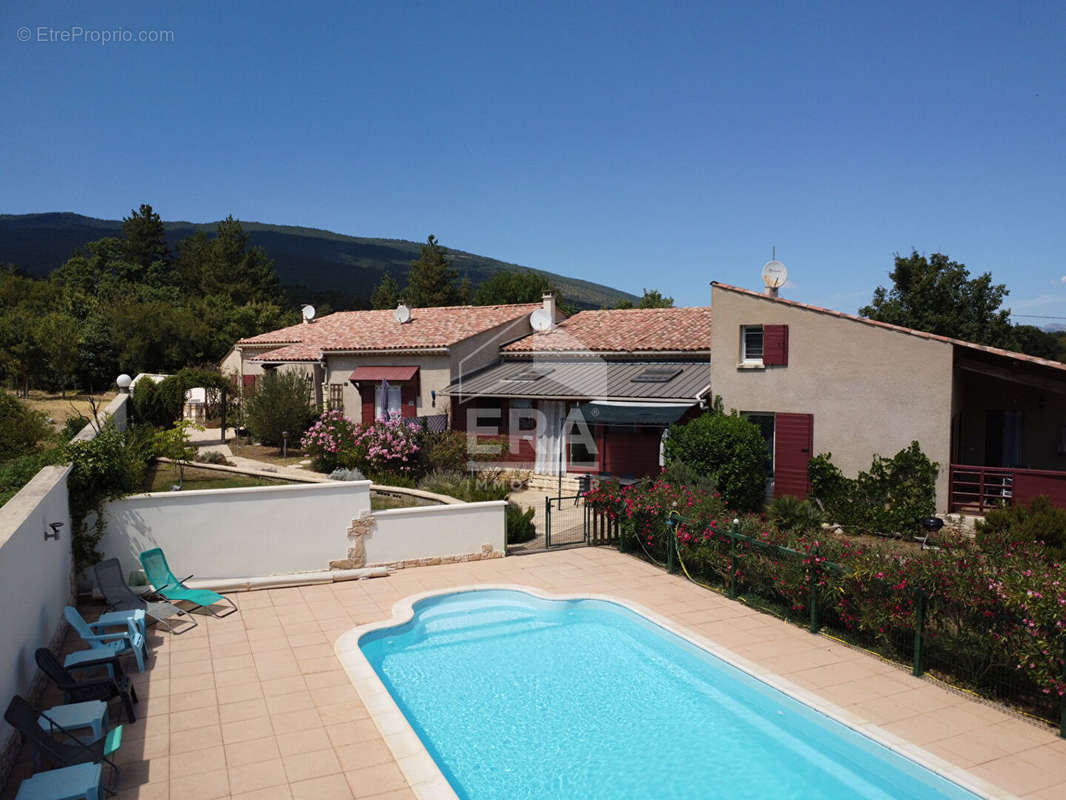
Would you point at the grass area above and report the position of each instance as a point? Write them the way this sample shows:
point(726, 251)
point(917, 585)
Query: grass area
point(270, 454)
point(160, 477)
point(381, 502)
point(60, 408)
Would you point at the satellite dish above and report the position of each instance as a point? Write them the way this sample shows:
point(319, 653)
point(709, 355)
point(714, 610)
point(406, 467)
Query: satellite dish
point(402, 314)
point(308, 312)
point(541, 320)
point(774, 274)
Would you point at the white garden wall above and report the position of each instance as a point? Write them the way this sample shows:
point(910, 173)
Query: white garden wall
point(35, 579)
point(237, 533)
point(426, 532)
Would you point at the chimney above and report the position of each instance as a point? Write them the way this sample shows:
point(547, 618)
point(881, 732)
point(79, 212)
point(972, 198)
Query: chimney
point(549, 306)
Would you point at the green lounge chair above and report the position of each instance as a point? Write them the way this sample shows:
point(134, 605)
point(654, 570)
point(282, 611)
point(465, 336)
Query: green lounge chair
point(167, 584)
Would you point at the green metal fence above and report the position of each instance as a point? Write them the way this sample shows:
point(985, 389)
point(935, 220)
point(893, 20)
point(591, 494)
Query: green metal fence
point(929, 633)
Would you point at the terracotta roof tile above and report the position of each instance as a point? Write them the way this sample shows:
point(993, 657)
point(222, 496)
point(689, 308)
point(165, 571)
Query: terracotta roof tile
point(378, 330)
point(631, 330)
point(997, 351)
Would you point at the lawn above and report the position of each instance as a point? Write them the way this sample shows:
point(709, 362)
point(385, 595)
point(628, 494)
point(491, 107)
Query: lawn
point(270, 454)
point(160, 477)
point(60, 408)
point(382, 502)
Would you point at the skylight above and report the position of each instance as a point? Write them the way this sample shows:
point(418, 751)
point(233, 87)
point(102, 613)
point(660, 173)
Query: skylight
point(656, 375)
point(532, 374)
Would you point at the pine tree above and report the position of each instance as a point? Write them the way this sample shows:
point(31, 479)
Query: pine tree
point(432, 281)
point(386, 293)
point(144, 237)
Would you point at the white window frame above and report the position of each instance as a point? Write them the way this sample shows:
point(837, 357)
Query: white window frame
point(394, 401)
point(744, 357)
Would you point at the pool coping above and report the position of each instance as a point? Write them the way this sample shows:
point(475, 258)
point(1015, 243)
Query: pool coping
point(428, 782)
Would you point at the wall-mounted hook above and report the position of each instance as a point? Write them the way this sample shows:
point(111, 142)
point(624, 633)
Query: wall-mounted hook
point(55, 526)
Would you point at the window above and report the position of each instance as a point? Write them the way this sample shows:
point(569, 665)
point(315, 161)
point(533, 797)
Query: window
point(522, 416)
point(751, 344)
point(765, 421)
point(387, 401)
point(336, 397)
point(531, 374)
point(660, 374)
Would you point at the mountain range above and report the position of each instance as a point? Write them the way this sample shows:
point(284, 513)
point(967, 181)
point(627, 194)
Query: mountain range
point(314, 265)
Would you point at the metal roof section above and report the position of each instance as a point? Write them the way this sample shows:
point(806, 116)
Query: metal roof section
point(585, 379)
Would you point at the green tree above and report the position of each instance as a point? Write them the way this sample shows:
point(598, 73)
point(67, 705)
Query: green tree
point(652, 298)
point(58, 337)
point(174, 443)
point(730, 450)
point(938, 296)
point(22, 430)
point(431, 280)
point(144, 238)
point(517, 286)
point(386, 293)
point(225, 265)
point(279, 404)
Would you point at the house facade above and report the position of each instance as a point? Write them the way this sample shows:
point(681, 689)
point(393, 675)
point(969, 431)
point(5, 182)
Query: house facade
point(593, 394)
point(370, 364)
point(821, 381)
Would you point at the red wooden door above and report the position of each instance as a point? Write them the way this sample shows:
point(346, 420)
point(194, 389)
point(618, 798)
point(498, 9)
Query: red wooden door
point(793, 442)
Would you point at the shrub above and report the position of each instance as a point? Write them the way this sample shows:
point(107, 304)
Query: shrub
point(279, 405)
point(469, 488)
point(154, 404)
point(792, 514)
point(331, 442)
point(17, 472)
point(728, 449)
point(22, 429)
point(212, 457)
point(1039, 521)
point(520, 526)
point(104, 468)
point(388, 449)
point(444, 451)
point(73, 426)
point(892, 498)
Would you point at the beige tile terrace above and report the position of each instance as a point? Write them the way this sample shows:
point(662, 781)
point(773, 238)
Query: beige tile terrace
point(255, 705)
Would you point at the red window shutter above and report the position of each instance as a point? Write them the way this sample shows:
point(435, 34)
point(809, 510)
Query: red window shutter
point(407, 400)
point(366, 395)
point(775, 345)
point(249, 380)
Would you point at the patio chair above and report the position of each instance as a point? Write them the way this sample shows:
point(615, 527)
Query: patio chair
point(167, 584)
point(68, 749)
point(129, 640)
point(79, 691)
point(120, 597)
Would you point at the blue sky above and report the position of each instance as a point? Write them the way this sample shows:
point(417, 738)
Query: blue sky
point(638, 145)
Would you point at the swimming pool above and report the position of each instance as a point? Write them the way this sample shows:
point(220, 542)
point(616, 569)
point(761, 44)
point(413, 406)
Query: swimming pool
point(516, 697)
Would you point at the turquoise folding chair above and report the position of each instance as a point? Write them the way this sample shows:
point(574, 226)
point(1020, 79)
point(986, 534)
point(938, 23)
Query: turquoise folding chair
point(168, 586)
point(114, 643)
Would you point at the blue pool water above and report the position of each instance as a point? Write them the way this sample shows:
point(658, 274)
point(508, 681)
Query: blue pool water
point(516, 697)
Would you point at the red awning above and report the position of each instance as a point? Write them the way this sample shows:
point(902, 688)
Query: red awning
point(384, 374)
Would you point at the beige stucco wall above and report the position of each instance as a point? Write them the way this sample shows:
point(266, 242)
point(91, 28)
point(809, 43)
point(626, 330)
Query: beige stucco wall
point(871, 390)
point(484, 349)
point(433, 376)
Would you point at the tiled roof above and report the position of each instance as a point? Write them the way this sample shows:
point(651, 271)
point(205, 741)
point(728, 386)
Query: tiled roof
point(996, 351)
point(378, 330)
point(630, 330)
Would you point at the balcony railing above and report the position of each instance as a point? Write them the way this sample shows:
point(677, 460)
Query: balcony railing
point(977, 489)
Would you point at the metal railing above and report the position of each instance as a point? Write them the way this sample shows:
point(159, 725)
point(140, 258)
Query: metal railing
point(920, 635)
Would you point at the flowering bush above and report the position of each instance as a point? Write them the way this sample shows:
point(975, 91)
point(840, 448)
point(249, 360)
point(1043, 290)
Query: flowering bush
point(389, 448)
point(995, 622)
point(331, 442)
